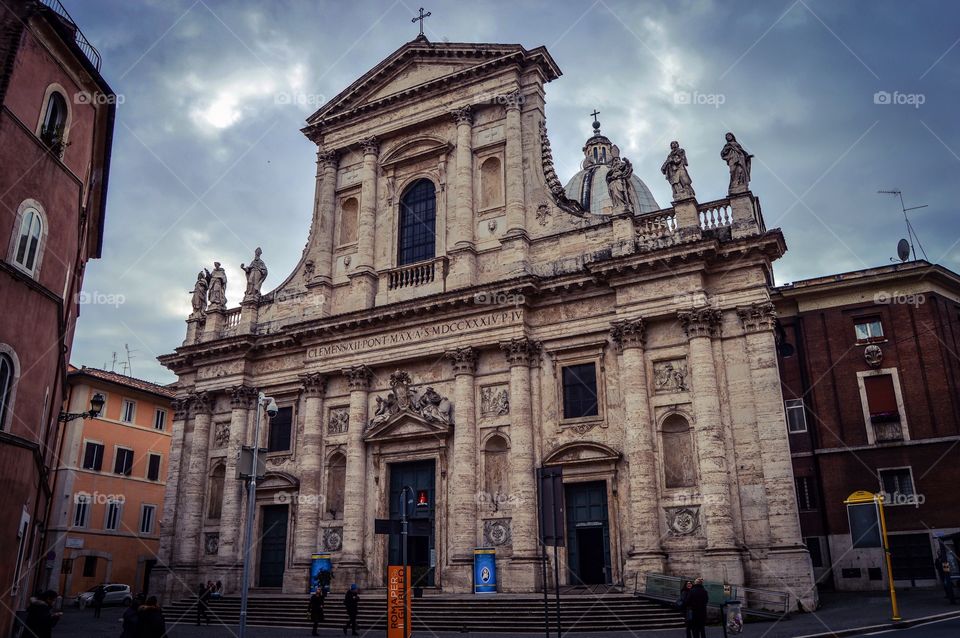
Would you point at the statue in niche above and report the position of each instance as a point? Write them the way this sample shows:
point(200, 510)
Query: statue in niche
point(217, 290)
point(256, 273)
point(199, 300)
point(738, 160)
point(618, 184)
point(675, 170)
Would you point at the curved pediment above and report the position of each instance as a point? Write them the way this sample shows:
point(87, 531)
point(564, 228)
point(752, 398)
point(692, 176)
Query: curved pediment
point(406, 424)
point(581, 452)
point(414, 149)
point(278, 481)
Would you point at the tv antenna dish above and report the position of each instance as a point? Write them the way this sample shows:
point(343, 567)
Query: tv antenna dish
point(906, 247)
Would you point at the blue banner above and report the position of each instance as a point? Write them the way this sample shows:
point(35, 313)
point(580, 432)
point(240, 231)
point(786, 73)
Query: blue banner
point(484, 570)
point(318, 563)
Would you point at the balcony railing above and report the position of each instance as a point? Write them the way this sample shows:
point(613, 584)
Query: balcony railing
point(88, 49)
point(715, 214)
point(418, 274)
point(232, 318)
point(658, 225)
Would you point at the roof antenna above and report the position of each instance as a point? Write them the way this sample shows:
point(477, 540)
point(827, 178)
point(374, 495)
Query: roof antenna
point(906, 247)
point(128, 365)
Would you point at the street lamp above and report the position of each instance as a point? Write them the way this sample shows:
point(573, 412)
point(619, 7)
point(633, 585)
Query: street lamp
point(251, 505)
point(96, 405)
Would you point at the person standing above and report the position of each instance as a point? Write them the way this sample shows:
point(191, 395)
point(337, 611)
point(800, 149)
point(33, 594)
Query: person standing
point(944, 572)
point(687, 613)
point(98, 595)
point(130, 618)
point(150, 621)
point(41, 616)
point(352, 602)
point(316, 608)
point(203, 595)
point(696, 603)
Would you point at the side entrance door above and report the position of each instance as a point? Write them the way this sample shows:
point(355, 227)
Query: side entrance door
point(273, 545)
point(588, 533)
point(421, 550)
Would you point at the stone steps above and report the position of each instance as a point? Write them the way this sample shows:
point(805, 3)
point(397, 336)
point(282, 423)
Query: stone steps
point(499, 613)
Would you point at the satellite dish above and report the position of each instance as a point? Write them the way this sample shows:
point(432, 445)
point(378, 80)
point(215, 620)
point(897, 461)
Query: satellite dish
point(903, 250)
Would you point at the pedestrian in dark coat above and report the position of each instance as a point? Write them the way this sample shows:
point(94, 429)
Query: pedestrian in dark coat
point(352, 602)
point(316, 609)
point(203, 595)
point(98, 595)
point(41, 616)
point(150, 621)
point(696, 602)
point(943, 571)
point(687, 613)
point(130, 618)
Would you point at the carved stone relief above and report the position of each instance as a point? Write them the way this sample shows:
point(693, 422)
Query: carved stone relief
point(221, 433)
point(211, 543)
point(494, 400)
point(332, 539)
point(339, 420)
point(873, 355)
point(406, 397)
point(496, 532)
point(682, 521)
point(670, 376)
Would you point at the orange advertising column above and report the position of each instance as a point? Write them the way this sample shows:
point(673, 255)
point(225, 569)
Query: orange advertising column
point(398, 602)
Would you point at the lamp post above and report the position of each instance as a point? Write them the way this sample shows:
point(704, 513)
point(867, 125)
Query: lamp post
point(96, 405)
point(251, 507)
point(403, 555)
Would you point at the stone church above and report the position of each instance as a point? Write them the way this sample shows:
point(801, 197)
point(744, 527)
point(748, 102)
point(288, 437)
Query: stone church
point(460, 318)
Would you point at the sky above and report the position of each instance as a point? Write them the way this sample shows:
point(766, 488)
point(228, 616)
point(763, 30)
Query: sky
point(837, 99)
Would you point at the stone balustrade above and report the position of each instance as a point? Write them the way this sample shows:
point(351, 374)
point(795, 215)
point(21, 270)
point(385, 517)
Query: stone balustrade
point(716, 214)
point(414, 275)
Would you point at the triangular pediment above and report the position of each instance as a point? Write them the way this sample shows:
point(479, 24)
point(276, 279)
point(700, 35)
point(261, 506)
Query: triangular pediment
point(581, 452)
point(406, 425)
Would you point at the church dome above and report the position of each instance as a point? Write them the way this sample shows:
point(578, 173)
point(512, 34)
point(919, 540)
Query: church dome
point(589, 185)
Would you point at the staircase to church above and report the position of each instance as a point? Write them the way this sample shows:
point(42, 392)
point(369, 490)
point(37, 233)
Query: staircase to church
point(498, 613)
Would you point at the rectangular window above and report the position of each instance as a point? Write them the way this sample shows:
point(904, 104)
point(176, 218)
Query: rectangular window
point(580, 391)
point(898, 488)
point(153, 467)
point(868, 330)
point(128, 411)
point(796, 416)
point(816, 551)
point(93, 456)
point(89, 566)
point(124, 462)
point(806, 493)
point(882, 405)
point(160, 419)
point(66, 566)
point(146, 518)
point(112, 521)
point(279, 436)
point(82, 510)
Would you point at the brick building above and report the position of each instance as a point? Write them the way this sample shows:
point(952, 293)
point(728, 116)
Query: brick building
point(871, 396)
point(56, 123)
point(109, 483)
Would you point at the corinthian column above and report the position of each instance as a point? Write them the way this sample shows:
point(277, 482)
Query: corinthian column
point(723, 560)
point(171, 494)
point(194, 483)
point(463, 268)
point(363, 277)
point(309, 453)
point(354, 492)
point(646, 555)
point(521, 353)
point(242, 398)
point(324, 218)
point(463, 534)
point(516, 222)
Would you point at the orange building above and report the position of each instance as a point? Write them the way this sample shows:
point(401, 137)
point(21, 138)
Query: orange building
point(109, 483)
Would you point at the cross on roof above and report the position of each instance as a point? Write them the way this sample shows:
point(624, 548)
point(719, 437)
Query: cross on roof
point(595, 114)
point(421, 18)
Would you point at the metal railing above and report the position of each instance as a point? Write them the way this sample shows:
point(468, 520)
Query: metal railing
point(765, 603)
point(88, 49)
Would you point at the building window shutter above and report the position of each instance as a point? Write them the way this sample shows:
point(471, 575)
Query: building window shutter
point(279, 437)
point(881, 398)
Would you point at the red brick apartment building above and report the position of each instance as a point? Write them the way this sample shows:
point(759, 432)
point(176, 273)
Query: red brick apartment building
point(56, 124)
point(871, 390)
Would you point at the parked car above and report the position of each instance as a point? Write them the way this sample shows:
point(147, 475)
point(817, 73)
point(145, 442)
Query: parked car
point(116, 595)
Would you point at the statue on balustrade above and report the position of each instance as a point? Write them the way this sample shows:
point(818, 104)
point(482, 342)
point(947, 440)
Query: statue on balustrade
point(675, 169)
point(256, 273)
point(199, 300)
point(618, 184)
point(738, 160)
point(217, 291)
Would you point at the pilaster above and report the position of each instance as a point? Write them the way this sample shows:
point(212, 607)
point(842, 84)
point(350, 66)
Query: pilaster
point(463, 535)
point(309, 457)
point(354, 499)
point(242, 399)
point(194, 483)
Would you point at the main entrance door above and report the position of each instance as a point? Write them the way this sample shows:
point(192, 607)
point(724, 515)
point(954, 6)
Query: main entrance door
point(588, 533)
point(273, 545)
point(421, 550)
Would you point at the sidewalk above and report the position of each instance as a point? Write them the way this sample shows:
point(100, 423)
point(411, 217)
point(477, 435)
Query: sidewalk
point(839, 611)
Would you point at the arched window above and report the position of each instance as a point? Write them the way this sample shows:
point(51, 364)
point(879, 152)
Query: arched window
point(215, 502)
point(348, 221)
point(54, 122)
point(7, 378)
point(418, 223)
point(491, 183)
point(336, 482)
point(495, 477)
point(679, 464)
point(28, 240)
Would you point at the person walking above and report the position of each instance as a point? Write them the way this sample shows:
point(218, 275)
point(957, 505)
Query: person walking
point(316, 608)
point(41, 616)
point(687, 613)
point(130, 618)
point(696, 602)
point(98, 595)
point(352, 602)
point(203, 595)
point(150, 621)
point(944, 572)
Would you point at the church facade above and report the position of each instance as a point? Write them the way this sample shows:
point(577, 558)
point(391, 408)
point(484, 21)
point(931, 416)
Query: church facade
point(460, 318)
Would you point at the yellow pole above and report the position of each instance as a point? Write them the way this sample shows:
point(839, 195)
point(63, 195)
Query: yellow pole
point(878, 498)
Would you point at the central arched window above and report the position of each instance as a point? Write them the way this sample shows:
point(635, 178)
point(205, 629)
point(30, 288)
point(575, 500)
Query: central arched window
point(54, 122)
point(418, 223)
point(28, 240)
point(6, 387)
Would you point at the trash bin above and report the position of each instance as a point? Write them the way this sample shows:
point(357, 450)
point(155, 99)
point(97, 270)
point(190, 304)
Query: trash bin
point(732, 617)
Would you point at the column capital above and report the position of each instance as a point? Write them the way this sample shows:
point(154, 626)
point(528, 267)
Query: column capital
point(464, 360)
point(242, 396)
point(758, 317)
point(513, 101)
point(358, 377)
point(327, 158)
point(628, 333)
point(700, 322)
point(463, 115)
point(370, 145)
point(314, 384)
point(181, 407)
point(520, 351)
point(201, 403)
